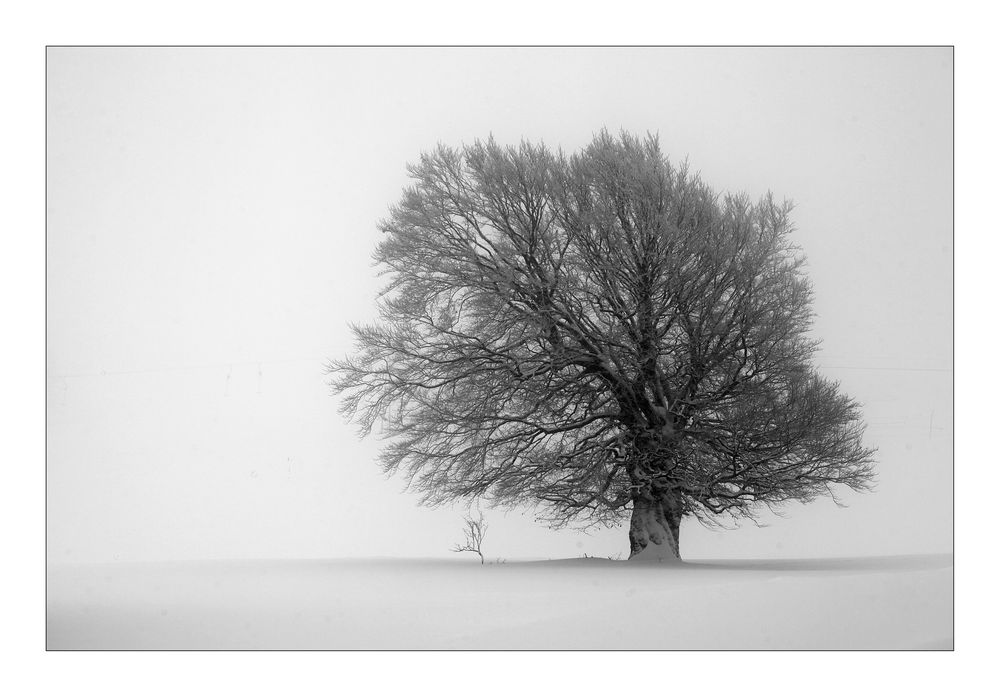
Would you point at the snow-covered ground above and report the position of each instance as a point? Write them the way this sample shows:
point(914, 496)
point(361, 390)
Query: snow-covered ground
point(862, 603)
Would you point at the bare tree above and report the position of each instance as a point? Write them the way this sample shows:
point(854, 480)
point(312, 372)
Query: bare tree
point(475, 531)
point(600, 334)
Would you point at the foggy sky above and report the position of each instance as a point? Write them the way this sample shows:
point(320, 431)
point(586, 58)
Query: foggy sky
point(211, 215)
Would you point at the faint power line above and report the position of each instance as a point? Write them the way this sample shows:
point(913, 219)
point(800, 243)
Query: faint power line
point(180, 368)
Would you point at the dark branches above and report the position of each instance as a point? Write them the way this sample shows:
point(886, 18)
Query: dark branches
point(579, 331)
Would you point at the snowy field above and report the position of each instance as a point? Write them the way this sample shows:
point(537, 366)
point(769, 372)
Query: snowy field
point(862, 603)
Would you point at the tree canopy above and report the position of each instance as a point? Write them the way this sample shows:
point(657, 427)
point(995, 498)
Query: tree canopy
point(600, 334)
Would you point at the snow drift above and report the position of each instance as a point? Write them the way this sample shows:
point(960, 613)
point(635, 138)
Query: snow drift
point(861, 603)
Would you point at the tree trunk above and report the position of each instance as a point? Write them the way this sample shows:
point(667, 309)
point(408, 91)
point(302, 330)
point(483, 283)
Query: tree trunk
point(654, 534)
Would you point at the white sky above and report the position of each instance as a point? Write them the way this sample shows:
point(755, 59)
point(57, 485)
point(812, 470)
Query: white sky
point(211, 214)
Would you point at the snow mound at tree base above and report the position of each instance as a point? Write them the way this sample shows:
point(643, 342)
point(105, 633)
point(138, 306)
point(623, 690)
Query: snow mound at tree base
point(655, 554)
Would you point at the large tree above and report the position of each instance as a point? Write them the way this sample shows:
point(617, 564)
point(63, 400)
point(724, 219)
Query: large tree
point(602, 335)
